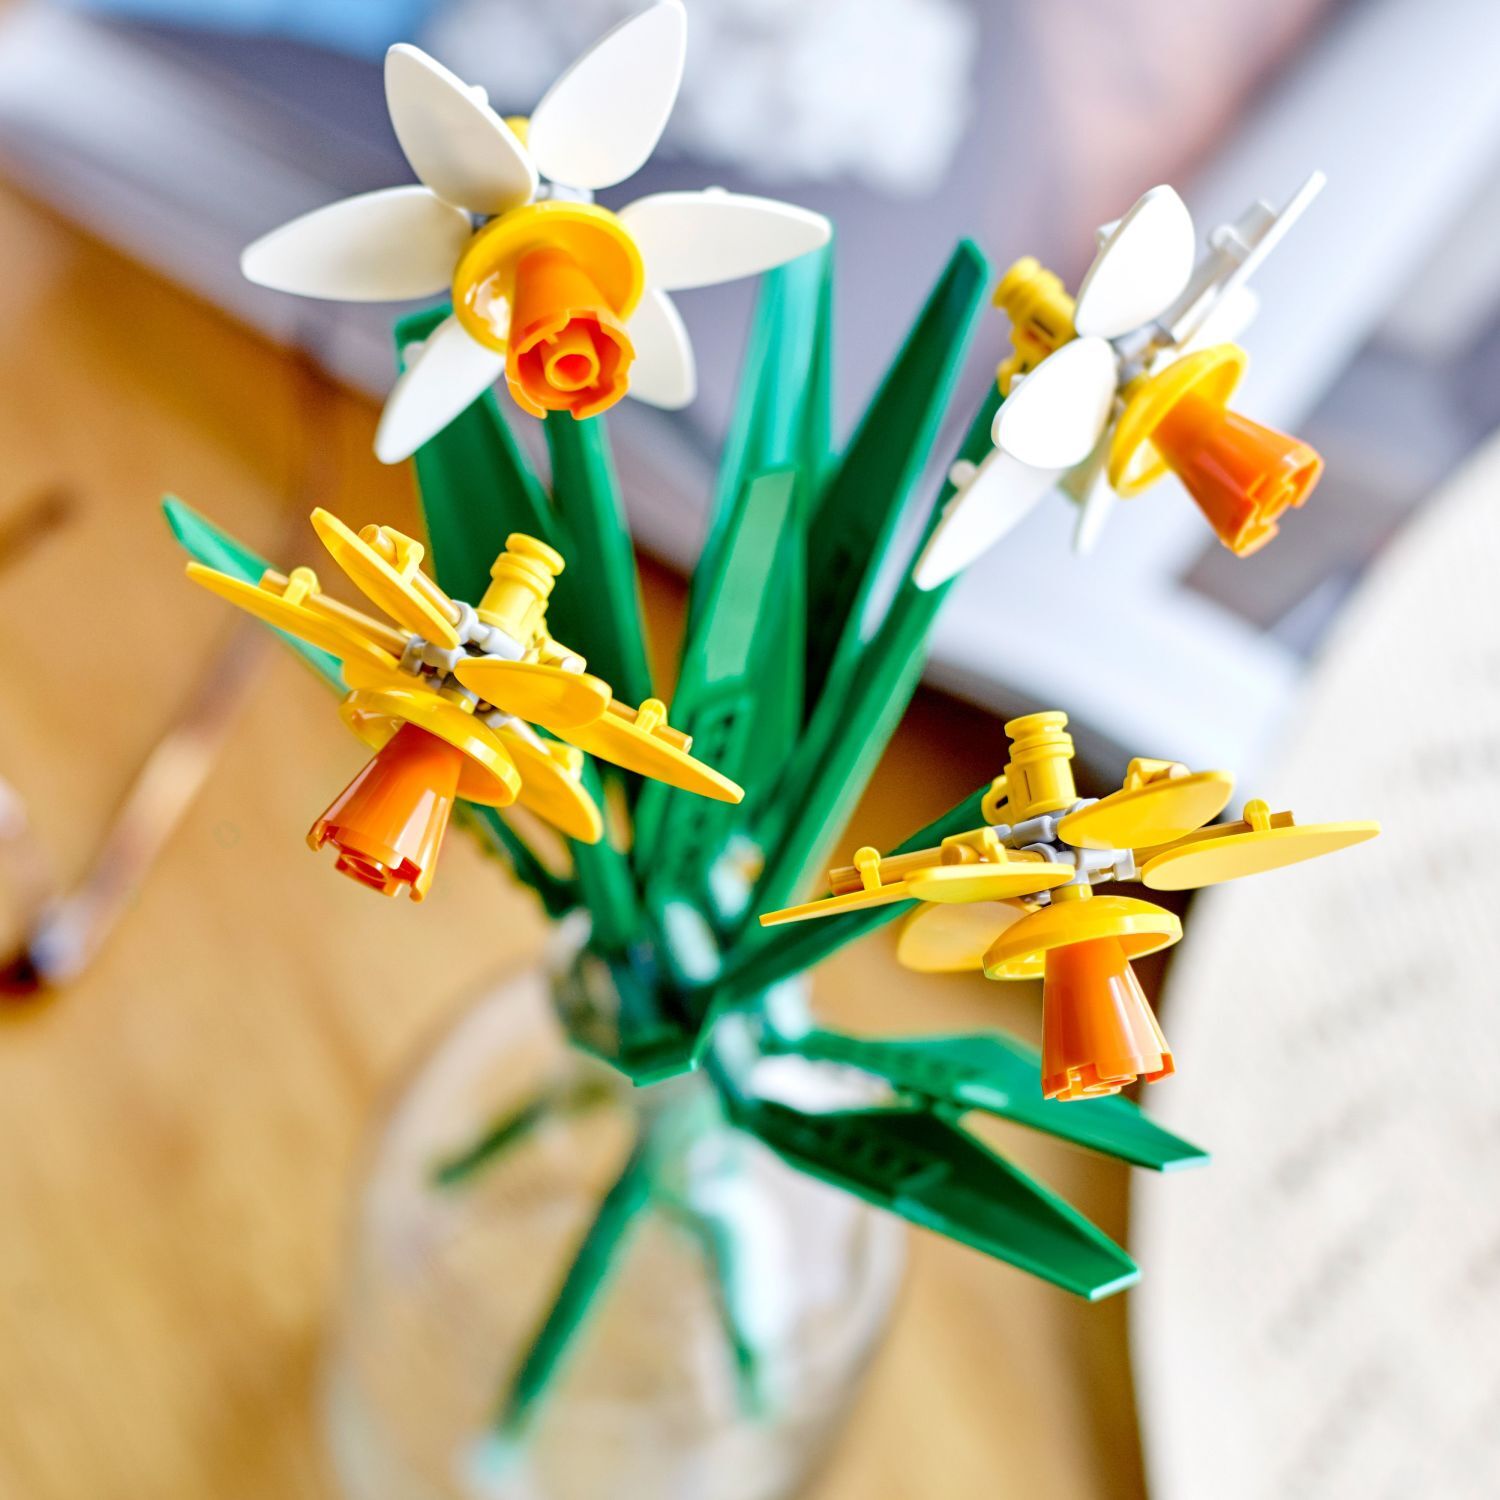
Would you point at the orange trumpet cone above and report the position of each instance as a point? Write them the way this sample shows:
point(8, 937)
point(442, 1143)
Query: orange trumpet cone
point(1098, 1032)
point(388, 823)
point(566, 351)
point(1242, 475)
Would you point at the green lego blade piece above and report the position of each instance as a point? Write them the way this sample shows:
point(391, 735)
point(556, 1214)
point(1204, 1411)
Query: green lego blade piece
point(475, 485)
point(783, 414)
point(596, 607)
point(207, 544)
point(856, 515)
point(992, 1073)
point(854, 721)
point(768, 955)
point(586, 1276)
point(606, 883)
point(739, 695)
point(922, 1166)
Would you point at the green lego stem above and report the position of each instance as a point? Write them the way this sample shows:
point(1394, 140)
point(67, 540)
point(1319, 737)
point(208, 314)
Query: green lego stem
point(999, 1076)
point(854, 721)
point(596, 607)
point(851, 529)
point(586, 1276)
point(475, 484)
point(720, 1246)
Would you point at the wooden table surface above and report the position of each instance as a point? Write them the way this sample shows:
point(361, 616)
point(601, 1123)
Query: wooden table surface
point(180, 1127)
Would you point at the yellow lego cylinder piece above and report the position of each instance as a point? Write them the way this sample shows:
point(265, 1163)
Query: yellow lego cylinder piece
point(1039, 773)
point(521, 582)
point(1040, 312)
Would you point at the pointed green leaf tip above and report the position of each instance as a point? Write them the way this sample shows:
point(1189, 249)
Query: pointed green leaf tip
point(997, 1075)
point(206, 543)
point(921, 1166)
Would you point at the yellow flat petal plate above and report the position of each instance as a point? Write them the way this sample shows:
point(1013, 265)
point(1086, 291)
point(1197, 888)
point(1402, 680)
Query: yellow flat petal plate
point(1211, 861)
point(380, 583)
point(831, 906)
point(1145, 816)
point(956, 884)
point(555, 699)
point(953, 939)
point(308, 625)
point(619, 741)
point(548, 790)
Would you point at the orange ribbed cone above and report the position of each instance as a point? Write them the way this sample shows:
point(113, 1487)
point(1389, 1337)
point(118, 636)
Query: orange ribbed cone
point(1098, 1032)
point(1242, 475)
point(566, 349)
point(388, 823)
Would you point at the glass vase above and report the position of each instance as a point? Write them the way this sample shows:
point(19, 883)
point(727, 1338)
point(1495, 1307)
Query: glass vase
point(560, 1287)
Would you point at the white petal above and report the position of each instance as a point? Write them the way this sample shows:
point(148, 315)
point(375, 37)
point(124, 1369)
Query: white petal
point(1098, 506)
point(454, 141)
point(1054, 416)
point(378, 247)
point(602, 119)
point(663, 373)
point(1142, 266)
point(441, 383)
point(700, 239)
point(997, 499)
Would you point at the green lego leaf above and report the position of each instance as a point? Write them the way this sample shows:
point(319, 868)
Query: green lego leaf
point(214, 548)
point(854, 522)
point(855, 719)
point(997, 1075)
point(596, 607)
point(739, 695)
point(475, 485)
point(587, 1274)
point(783, 414)
point(920, 1165)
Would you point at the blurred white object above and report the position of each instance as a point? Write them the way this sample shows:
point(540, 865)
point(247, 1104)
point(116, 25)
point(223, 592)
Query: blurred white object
point(877, 90)
point(1319, 1311)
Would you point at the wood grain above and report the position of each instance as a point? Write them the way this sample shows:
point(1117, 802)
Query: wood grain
point(180, 1127)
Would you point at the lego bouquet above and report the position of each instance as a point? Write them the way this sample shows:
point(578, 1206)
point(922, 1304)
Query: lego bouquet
point(622, 1278)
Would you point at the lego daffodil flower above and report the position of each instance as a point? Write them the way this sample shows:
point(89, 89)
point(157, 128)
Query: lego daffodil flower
point(450, 696)
point(564, 297)
point(1015, 898)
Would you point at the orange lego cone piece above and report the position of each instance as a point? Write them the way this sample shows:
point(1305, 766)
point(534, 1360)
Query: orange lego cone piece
point(388, 823)
point(1098, 1032)
point(1242, 475)
point(566, 350)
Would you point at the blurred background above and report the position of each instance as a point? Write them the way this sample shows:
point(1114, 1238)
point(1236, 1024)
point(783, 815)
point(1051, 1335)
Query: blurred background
point(209, 1084)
